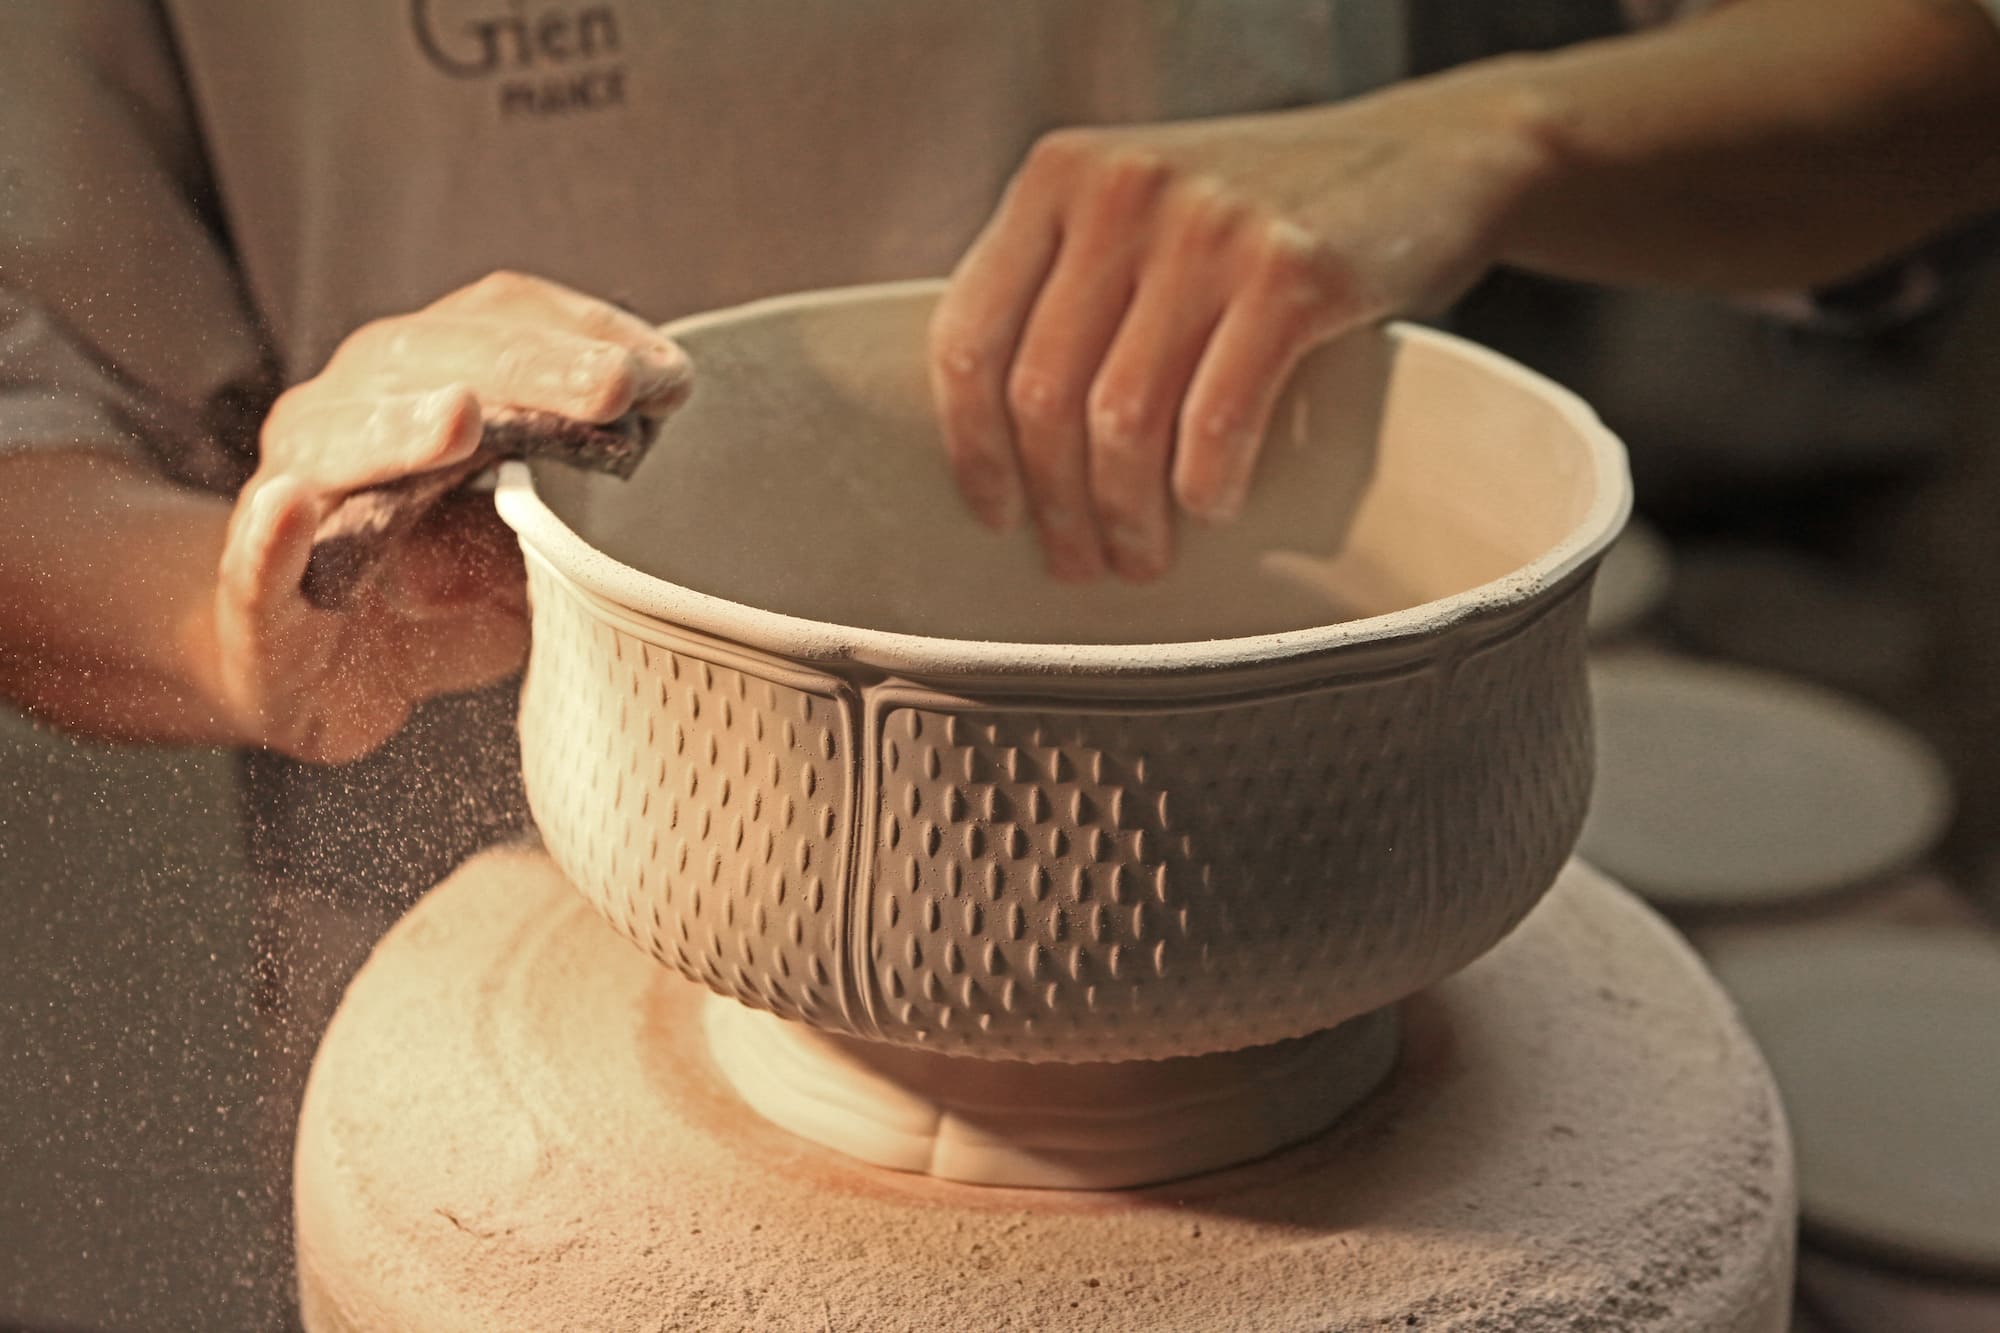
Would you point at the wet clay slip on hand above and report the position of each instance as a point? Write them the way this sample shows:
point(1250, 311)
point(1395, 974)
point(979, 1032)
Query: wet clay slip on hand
point(804, 730)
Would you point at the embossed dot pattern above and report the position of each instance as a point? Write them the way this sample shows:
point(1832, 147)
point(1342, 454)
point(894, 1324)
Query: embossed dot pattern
point(1521, 739)
point(698, 806)
point(1147, 884)
point(1073, 882)
point(1140, 885)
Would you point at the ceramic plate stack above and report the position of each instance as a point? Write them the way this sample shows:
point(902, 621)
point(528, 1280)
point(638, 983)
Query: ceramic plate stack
point(1721, 787)
point(1885, 1042)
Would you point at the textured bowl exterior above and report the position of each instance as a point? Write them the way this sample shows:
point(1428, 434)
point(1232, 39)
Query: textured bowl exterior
point(1037, 870)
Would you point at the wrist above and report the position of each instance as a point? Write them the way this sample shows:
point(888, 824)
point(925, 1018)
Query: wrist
point(1511, 122)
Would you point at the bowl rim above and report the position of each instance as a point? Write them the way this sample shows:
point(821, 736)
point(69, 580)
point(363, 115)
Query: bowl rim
point(830, 643)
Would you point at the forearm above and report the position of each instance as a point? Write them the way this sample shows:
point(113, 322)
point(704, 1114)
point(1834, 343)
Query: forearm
point(107, 590)
point(1769, 143)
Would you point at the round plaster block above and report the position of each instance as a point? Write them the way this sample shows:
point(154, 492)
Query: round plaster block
point(1721, 787)
point(1885, 1044)
point(513, 1123)
point(1632, 581)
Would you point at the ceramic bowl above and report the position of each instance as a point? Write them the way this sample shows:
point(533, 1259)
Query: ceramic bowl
point(805, 731)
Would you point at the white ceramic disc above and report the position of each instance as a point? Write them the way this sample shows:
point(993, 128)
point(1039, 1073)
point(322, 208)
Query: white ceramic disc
point(1885, 1044)
point(1631, 582)
point(1719, 786)
point(514, 1123)
point(1864, 1298)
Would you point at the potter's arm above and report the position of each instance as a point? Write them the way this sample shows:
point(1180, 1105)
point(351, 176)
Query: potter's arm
point(121, 323)
point(1767, 143)
point(107, 579)
point(133, 606)
point(1113, 344)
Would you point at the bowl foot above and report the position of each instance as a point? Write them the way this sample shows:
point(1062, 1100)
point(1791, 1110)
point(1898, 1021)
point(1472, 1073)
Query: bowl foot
point(1104, 1125)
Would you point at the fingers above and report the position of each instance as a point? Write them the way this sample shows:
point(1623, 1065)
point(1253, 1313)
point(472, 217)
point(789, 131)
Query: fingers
point(973, 333)
point(1289, 299)
point(330, 686)
point(265, 558)
point(1114, 341)
point(345, 444)
point(403, 396)
point(1073, 322)
point(505, 364)
point(1048, 283)
point(524, 299)
point(1138, 392)
point(267, 637)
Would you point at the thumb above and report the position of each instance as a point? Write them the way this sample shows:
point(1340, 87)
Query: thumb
point(268, 550)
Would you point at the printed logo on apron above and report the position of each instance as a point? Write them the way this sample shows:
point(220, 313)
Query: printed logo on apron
point(544, 61)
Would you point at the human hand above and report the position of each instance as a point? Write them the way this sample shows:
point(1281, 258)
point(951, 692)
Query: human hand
point(1116, 339)
point(445, 610)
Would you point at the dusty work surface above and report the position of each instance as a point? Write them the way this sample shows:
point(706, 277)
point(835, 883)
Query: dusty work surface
point(512, 1124)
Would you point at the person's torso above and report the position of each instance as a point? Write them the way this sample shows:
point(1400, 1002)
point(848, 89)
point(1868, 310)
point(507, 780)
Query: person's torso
point(673, 155)
point(676, 155)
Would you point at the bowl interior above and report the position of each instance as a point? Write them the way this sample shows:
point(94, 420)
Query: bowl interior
point(806, 476)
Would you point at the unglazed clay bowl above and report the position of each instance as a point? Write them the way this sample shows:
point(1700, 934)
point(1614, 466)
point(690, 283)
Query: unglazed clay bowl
point(804, 730)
